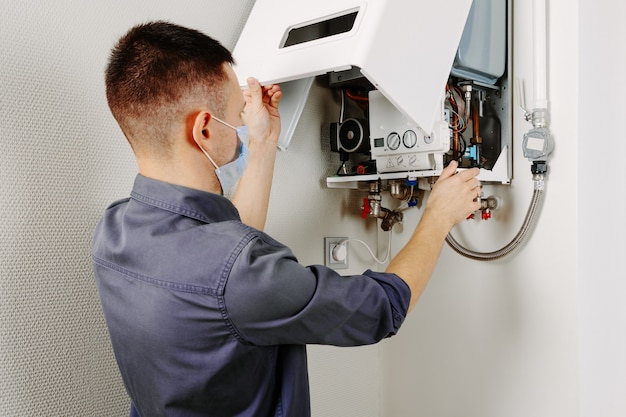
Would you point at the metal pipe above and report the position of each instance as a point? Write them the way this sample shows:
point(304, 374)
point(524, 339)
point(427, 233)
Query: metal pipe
point(540, 55)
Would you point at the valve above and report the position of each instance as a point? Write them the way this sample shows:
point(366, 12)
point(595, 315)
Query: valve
point(390, 219)
point(487, 205)
point(372, 207)
point(366, 208)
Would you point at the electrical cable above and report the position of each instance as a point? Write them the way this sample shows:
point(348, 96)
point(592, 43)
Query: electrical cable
point(343, 106)
point(356, 96)
point(343, 242)
point(459, 126)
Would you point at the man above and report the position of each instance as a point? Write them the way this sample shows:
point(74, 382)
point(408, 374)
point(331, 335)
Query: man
point(208, 315)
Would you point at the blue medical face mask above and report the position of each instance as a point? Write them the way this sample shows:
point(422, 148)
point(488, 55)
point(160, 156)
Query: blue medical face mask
point(229, 174)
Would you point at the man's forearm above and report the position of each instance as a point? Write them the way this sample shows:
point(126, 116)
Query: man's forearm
point(253, 192)
point(416, 261)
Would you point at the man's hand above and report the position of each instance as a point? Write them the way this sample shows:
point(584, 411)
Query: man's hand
point(455, 195)
point(261, 112)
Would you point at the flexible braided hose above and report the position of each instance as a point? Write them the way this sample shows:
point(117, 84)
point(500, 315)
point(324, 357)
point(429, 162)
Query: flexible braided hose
point(520, 237)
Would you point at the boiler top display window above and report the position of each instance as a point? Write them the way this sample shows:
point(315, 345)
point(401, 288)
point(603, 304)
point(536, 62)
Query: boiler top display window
point(323, 29)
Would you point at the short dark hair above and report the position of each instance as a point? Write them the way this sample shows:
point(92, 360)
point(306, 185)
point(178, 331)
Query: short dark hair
point(154, 71)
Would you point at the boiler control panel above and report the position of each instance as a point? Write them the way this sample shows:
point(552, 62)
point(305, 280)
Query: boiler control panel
point(398, 145)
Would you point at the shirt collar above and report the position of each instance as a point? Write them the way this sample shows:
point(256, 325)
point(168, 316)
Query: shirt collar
point(189, 202)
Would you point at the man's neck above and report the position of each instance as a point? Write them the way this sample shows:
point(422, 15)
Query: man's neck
point(191, 173)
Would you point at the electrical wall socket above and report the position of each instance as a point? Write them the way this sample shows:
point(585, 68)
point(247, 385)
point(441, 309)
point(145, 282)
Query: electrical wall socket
point(329, 245)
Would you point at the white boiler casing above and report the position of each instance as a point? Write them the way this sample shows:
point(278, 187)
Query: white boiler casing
point(405, 48)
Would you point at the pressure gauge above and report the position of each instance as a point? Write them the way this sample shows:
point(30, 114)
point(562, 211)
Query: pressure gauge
point(409, 139)
point(393, 141)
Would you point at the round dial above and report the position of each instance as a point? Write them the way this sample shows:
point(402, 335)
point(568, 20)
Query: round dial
point(409, 139)
point(393, 141)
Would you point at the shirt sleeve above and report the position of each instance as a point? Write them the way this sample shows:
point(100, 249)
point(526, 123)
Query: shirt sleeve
point(271, 299)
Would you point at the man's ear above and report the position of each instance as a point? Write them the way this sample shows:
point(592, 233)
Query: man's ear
point(200, 129)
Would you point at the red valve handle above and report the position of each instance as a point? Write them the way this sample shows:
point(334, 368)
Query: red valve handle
point(366, 208)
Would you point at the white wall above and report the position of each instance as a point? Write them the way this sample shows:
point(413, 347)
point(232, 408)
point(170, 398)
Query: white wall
point(602, 209)
point(541, 333)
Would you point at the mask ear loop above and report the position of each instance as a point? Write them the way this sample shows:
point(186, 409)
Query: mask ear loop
point(206, 153)
point(242, 132)
point(224, 123)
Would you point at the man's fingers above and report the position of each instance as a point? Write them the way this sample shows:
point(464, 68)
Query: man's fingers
point(255, 92)
point(449, 170)
point(468, 174)
point(275, 95)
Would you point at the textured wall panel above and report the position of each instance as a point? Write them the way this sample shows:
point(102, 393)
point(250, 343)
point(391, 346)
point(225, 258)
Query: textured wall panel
point(62, 160)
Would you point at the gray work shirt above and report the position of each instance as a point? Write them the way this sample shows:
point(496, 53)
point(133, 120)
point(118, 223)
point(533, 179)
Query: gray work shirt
point(210, 317)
